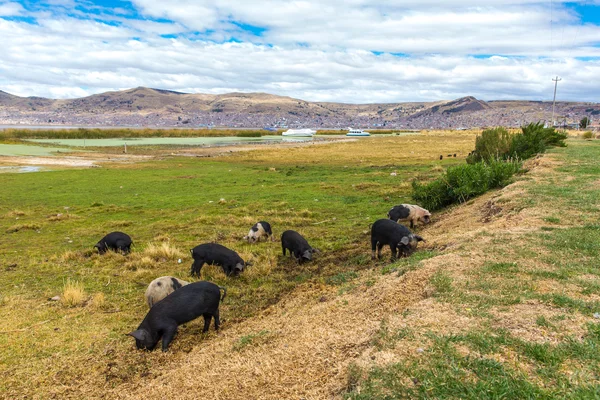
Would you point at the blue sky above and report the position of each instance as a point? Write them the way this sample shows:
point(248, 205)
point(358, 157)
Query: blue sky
point(330, 50)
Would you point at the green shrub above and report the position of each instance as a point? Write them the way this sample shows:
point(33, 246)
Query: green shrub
point(535, 139)
point(492, 144)
point(587, 135)
point(463, 182)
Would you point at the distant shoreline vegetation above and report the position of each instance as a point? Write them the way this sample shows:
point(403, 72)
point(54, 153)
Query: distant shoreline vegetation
point(111, 133)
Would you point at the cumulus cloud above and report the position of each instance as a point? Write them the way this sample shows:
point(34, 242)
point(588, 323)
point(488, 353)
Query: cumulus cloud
point(328, 50)
point(11, 9)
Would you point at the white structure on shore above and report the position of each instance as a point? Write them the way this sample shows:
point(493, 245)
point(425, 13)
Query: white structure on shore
point(299, 132)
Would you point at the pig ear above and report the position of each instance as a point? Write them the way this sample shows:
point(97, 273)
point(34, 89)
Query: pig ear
point(140, 334)
point(405, 240)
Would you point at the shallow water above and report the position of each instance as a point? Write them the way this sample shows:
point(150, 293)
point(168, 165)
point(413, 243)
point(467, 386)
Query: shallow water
point(22, 169)
point(27, 150)
point(175, 141)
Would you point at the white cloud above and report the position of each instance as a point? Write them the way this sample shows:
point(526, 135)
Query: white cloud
point(11, 9)
point(315, 51)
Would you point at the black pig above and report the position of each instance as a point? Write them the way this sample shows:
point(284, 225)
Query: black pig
point(213, 253)
point(297, 245)
point(114, 241)
point(401, 240)
point(183, 305)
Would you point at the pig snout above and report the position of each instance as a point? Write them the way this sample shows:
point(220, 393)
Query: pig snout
point(239, 267)
point(307, 255)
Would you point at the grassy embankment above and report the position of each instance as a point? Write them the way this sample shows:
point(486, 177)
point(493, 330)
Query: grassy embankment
point(49, 222)
point(525, 288)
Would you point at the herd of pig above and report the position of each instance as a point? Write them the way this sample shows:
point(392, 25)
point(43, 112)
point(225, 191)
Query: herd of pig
point(174, 302)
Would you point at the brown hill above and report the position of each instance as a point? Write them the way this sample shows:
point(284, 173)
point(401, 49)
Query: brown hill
point(155, 107)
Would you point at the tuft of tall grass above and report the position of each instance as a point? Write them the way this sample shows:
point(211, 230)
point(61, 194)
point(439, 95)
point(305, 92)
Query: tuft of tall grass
point(162, 251)
point(73, 293)
point(98, 301)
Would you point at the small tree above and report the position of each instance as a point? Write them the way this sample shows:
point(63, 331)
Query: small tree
point(585, 121)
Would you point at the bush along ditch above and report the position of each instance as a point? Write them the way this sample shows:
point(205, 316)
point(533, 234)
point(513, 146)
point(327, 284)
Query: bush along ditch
point(498, 155)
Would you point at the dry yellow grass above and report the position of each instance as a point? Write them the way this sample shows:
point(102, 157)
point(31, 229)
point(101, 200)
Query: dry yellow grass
point(162, 251)
point(73, 294)
point(98, 301)
point(22, 227)
point(15, 213)
point(137, 262)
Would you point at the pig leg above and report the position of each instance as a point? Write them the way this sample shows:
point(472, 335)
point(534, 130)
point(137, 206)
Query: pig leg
point(196, 267)
point(412, 223)
point(379, 247)
point(207, 318)
point(373, 244)
point(168, 336)
point(394, 249)
point(217, 320)
point(283, 248)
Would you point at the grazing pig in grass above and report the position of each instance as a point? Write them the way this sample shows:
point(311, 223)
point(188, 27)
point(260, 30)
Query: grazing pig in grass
point(114, 241)
point(181, 306)
point(401, 240)
point(259, 230)
point(213, 253)
point(409, 212)
point(161, 288)
point(297, 245)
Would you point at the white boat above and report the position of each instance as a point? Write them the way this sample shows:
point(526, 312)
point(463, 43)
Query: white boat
point(357, 132)
point(299, 132)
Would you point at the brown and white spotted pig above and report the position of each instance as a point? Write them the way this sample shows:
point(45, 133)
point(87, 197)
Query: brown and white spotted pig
point(409, 212)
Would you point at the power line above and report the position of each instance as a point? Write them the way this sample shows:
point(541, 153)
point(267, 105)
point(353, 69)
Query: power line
point(577, 31)
point(551, 31)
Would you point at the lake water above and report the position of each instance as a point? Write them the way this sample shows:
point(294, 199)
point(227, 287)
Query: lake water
point(173, 141)
point(29, 150)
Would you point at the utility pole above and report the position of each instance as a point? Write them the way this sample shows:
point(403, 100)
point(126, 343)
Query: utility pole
point(555, 80)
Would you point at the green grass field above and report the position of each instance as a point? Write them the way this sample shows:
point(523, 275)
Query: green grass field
point(49, 222)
